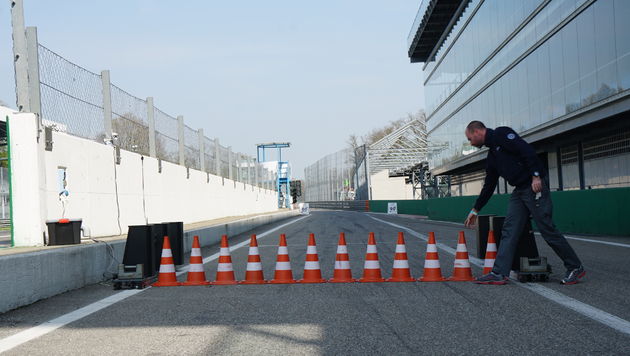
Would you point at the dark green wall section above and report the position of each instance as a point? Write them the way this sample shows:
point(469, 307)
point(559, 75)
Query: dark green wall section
point(597, 211)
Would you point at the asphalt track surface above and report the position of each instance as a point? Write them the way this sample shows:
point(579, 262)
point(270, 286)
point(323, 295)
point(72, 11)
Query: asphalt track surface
point(349, 319)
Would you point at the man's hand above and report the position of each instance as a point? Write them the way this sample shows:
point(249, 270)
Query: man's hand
point(536, 184)
point(471, 220)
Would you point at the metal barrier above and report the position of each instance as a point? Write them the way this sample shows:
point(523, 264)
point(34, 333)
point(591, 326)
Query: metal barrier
point(356, 205)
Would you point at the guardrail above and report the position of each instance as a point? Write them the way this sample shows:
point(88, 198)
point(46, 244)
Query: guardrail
point(356, 205)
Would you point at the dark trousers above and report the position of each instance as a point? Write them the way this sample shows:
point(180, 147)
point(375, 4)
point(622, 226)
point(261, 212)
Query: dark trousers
point(522, 203)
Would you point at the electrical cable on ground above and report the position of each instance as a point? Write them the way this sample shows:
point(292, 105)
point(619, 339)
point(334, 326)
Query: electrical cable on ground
point(110, 251)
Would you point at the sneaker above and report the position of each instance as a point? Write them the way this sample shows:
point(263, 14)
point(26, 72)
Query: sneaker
point(573, 276)
point(491, 278)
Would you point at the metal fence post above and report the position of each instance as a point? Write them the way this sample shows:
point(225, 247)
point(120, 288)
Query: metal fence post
point(20, 55)
point(230, 170)
point(34, 92)
point(180, 140)
point(239, 177)
point(249, 170)
point(107, 104)
point(367, 173)
point(266, 183)
point(202, 151)
point(217, 157)
point(256, 169)
point(151, 118)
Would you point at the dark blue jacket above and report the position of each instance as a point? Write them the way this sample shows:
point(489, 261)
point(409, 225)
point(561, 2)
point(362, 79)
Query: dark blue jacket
point(510, 157)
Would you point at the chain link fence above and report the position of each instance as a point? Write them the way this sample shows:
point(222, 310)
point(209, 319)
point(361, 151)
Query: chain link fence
point(166, 137)
point(71, 96)
point(210, 155)
point(77, 101)
point(191, 148)
point(339, 176)
point(129, 121)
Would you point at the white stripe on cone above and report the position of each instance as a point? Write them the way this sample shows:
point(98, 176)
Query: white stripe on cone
point(371, 265)
point(488, 263)
point(195, 267)
point(431, 264)
point(225, 267)
point(461, 248)
point(283, 250)
point(342, 249)
point(462, 264)
point(283, 266)
point(253, 251)
point(167, 253)
point(342, 265)
point(195, 252)
point(371, 249)
point(492, 248)
point(311, 250)
point(254, 266)
point(225, 251)
point(167, 269)
point(400, 249)
point(311, 265)
point(431, 248)
point(401, 264)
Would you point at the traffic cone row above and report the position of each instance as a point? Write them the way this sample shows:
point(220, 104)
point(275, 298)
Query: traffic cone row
point(312, 271)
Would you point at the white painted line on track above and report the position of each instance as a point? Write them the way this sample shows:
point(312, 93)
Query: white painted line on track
point(29, 334)
point(44, 328)
point(584, 309)
point(596, 241)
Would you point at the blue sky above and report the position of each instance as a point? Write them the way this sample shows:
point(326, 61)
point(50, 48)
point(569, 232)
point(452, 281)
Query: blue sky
point(311, 73)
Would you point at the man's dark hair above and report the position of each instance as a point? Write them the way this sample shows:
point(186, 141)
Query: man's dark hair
point(475, 125)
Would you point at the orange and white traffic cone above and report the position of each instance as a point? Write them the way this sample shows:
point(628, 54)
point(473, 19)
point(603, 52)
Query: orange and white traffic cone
point(167, 276)
point(283, 264)
point(196, 274)
point(254, 273)
point(401, 271)
point(461, 271)
point(432, 270)
point(371, 268)
point(225, 271)
point(312, 272)
point(491, 253)
point(342, 273)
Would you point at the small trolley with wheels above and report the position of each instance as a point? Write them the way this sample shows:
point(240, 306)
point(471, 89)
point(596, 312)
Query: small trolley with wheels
point(534, 270)
point(132, 277)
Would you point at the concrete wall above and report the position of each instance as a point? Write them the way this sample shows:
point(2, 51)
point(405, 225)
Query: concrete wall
point(29, 277)
point(109, 197)
point(384, 187)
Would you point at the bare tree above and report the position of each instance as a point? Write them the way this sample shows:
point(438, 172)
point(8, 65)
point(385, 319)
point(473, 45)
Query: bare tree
point(133, 136)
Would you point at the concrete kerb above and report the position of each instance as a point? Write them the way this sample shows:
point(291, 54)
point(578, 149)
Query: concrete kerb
point(32, 276)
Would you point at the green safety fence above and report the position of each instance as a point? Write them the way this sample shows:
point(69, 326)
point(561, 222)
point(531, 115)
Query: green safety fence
point(596, 211)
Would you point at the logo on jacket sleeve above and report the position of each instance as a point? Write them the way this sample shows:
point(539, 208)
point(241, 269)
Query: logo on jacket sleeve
point(511, 136)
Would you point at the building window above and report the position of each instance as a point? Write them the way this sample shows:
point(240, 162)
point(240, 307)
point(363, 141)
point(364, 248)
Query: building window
point(570, 168)
point(607, 161)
